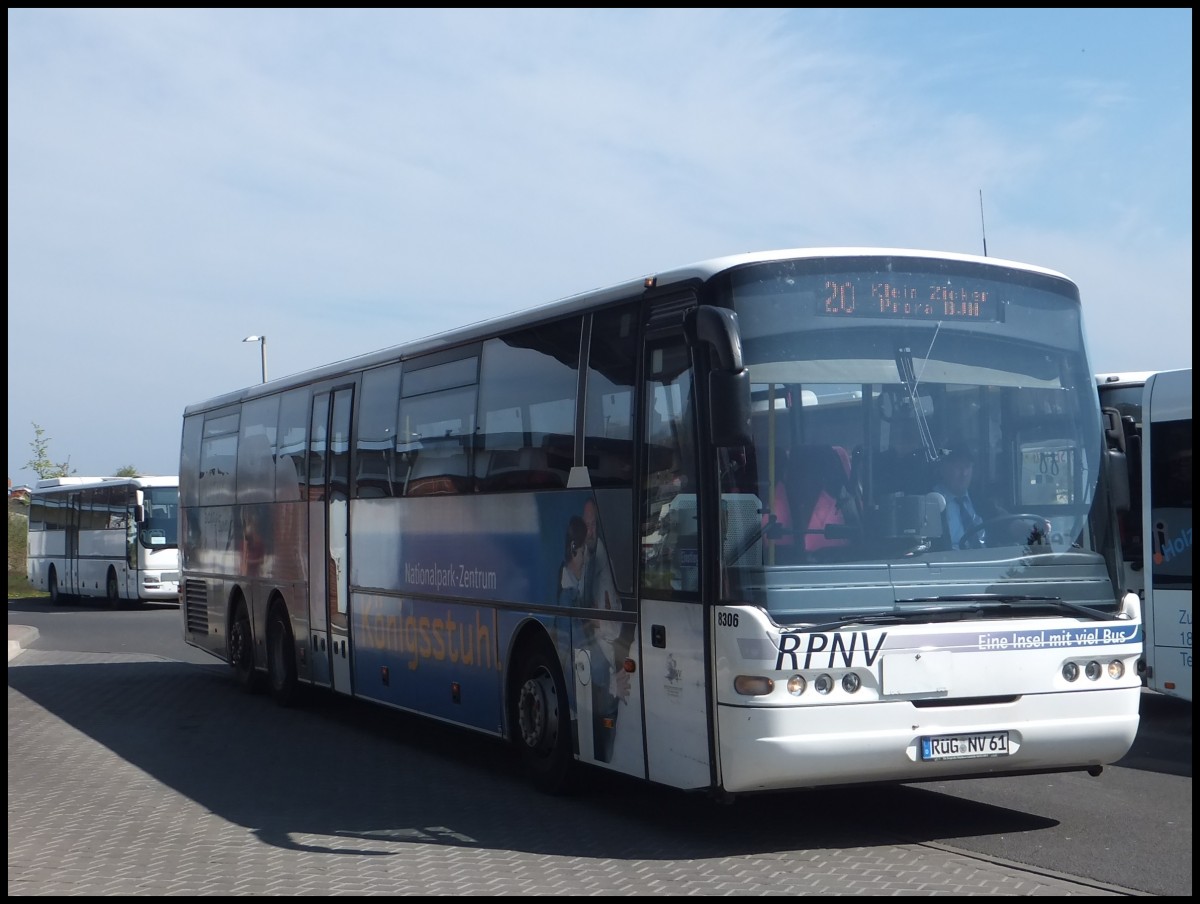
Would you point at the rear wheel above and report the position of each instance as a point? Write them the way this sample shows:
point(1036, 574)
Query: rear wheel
point(112, 591)
point(57, 597)
point(540, 716)
point(241, 649)
point(281, 659)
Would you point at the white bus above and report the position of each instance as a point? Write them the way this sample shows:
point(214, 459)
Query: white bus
point(684, 528)
point(109, 537)
point(1156, 410)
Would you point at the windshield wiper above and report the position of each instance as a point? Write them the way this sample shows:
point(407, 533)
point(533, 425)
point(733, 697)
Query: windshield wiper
point(1009, 602)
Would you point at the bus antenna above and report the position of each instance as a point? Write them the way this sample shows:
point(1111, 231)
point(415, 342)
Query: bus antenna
point(982, 225)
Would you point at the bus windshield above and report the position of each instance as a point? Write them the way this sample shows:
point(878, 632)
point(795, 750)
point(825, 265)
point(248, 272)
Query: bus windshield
point(923, 431)
point(160, 530)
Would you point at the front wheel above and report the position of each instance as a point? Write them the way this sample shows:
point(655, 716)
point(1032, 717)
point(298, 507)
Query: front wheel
point(540, 722)
point(281, 659)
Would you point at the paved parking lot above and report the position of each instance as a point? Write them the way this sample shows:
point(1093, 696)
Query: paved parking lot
point(133, 775)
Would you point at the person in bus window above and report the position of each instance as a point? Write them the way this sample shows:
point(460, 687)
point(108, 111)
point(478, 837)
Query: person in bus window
point(966, 513)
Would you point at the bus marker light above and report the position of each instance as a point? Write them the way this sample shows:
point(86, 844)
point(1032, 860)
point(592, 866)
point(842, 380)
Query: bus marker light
point(629, 666)
point(753, 685)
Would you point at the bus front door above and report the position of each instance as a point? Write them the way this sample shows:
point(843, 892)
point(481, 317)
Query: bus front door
point(329, 495)
point(672, 627)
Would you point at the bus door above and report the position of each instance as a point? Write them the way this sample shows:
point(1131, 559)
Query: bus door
point(71, 582)
point(329, 494)
point(673, 662)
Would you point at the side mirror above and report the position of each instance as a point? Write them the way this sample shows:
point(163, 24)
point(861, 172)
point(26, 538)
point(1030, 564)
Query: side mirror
point(139, 514)
point(729, 380)
point(729, 408)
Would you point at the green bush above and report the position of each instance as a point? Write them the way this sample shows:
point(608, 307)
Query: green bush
point(18, 582)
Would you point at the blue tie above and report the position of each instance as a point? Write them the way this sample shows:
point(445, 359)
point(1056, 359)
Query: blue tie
point(967, 516)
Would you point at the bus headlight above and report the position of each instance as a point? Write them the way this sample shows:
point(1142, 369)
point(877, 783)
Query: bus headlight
point(851, 682)
point(823, 684)
point(1116, 669)
point(1071, 671)
point(1092, 670)
point(797, 685)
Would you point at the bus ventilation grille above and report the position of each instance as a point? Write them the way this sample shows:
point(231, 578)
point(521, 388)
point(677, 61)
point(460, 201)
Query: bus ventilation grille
point(196, 602)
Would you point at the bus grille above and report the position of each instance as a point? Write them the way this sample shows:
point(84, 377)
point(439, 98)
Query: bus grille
point(195, 601)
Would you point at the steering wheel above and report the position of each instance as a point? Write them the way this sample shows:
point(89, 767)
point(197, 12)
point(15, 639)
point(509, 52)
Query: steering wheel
point(1038, 533)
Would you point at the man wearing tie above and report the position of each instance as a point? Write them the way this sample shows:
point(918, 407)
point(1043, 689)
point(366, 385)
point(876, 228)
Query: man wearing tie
point(957, 467)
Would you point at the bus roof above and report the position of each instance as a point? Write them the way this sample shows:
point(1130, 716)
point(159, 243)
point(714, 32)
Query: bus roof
point(1124, 378)
point(690, 274)
point(51, 483)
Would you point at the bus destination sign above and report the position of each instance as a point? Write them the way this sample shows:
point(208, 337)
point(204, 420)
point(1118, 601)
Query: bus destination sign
point(913, 298)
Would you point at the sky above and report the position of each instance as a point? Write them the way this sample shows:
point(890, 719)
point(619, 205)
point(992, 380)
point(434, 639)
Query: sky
point(341, 181)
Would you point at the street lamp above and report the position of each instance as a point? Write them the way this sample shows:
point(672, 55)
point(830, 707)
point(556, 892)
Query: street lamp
point(262, 343)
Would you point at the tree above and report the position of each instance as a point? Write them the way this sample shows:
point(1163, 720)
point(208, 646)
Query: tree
point(41, 464)
point(127, 471)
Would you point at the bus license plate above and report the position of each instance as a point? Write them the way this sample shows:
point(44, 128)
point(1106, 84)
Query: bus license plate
point(965, 746)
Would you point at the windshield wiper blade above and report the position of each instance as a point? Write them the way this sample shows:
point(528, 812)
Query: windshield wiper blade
point(1006, 601)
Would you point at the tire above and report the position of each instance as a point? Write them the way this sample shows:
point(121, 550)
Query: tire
point(112, 592)
point(540, 722)
point(281, 659)
point(57, 597)
point(240, 650)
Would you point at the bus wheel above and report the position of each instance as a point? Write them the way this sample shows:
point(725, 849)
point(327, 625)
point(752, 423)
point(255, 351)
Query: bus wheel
point(281, 659)
point(540, 717)
point(241, 650)
point(111, 591)
point(57, 597)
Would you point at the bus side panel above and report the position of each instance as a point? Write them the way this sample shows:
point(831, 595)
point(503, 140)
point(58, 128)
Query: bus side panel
point(673, 676)
point(1167, 530)
point(437, 657)
point(46, 548)
point(424, 643)
point(1170, 655)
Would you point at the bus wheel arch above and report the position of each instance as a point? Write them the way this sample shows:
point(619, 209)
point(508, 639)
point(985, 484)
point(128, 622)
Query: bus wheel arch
point(240, 644)
point(539, 715)
point(281, 654)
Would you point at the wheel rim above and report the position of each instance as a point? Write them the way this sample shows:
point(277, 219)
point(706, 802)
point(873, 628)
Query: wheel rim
point(537, 712)
point(238, 640)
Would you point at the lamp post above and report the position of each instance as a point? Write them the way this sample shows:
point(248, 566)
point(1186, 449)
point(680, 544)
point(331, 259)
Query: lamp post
point(262, 344)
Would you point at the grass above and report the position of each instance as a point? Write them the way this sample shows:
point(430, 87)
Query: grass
point(19, 587)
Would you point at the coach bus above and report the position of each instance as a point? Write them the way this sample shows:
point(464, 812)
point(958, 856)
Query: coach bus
point(686, 528)
point(115, 538)
point(1156, 412)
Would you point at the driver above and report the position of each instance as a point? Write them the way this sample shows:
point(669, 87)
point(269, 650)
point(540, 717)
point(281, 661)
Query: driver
point(965, 515)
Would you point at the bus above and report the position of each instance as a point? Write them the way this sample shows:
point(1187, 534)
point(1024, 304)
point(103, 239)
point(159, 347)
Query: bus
point(116, 538)
point(1155, 408)
point(683, 528)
